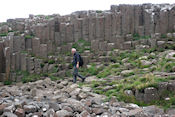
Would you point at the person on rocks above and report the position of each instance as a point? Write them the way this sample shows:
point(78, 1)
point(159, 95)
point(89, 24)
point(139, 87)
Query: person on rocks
point(76, 65)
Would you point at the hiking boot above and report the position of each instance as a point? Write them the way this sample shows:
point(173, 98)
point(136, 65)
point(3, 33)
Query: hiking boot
point(83, 79)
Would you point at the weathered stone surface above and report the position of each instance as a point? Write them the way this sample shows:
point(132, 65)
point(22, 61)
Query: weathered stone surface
point(127, 45)
point(43, 50)
point(20, 112)
point(36, 46)
point(23, 61)
point(8, 114)
point(30, 108)
point(150, 94)
point(76, 105)
point(37, 66)
point(64, 113)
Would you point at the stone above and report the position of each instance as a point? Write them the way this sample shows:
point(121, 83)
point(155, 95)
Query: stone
point(170, 55)
point(126, 72)
point(2, 107)
point(30, 64)
point(98, 111)
point(36, 46)
point(146, 63)
point(54, 106)
point(99, 32)
point(127, 45)
point(95, 45)
point(10, 108)
point(76, 105)
point(51, 67)
point(171, 112)
point(129, 92)
point(23, 61)
point(161, 44)
point(139, 95)
point(150, 94)
point(30, 108)
point(8, 114)
point(20, 112)
point(82, 95)
point(37, 68)
point(64, 113)
point(134, 112)
point(75, 92)
point(43, 50)
point(28, 43)
point(91, 78)
point(86, 89)
point(85, 114)
point(152, 110)
point(103, 46)
point(152, 43)
point(68, 109)
point(169, 35)
point(110, 46)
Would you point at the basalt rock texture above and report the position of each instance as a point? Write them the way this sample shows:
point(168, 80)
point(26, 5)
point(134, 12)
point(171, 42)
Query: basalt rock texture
point(46, 98)
point(26, 42)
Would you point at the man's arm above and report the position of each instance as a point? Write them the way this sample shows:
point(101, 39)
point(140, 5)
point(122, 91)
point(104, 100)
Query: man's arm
point(78, 60)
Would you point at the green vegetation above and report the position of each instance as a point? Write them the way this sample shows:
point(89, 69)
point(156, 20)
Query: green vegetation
point(7, 82)
point(42, 65)
point(163, 36)
point(48, 17)
point(3, 34)
point(170, 67)
point(99, 11)
point(27, 77)
point(28, 36)
point(174, 55)
point(81, 45)
point(50, 61)
point(136, 36)
point(132, 83)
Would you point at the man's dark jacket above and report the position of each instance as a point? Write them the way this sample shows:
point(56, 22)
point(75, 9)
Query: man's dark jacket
point(76, 59)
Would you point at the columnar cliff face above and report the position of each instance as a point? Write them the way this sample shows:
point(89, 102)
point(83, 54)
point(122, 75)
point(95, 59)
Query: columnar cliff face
point(105, 30)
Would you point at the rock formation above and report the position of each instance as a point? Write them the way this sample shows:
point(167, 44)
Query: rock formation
point(105, 30)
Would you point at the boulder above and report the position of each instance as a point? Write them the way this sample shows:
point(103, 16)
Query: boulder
point(150, 94)
point(76, 105)
point(30, 108)
point(63, 113)
point(8, 114)
point(20, 112)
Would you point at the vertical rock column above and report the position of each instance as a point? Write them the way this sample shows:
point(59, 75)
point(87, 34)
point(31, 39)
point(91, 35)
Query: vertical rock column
point(78, 29)
point(85, 29)
point(92, 25)
point(7, 62)
point(108, 26)
point(2, 59)
point(100, 32)
point(36, 46)
point(69, 33)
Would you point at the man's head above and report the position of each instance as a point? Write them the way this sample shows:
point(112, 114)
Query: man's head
point(73, 50)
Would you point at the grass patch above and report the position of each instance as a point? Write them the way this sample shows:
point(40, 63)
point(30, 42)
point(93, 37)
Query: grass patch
point(81, 45)
point(169, 67)
point(163, 36)
point(28, 36)
point(7, 82)
point(136, 36)
point(3, 34)
point(50, 61)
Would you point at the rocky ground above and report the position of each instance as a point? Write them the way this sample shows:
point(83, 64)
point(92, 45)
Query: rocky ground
point(62, 98)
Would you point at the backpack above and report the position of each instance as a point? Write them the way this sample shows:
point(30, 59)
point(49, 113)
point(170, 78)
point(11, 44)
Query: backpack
point(81, 61)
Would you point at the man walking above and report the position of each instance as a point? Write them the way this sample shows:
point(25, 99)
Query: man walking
point(76, 65)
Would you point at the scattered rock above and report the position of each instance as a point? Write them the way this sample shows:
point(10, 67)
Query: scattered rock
point(63, 113)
